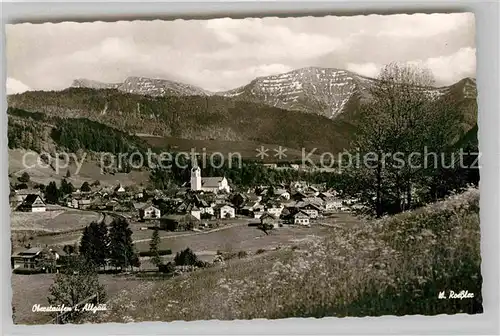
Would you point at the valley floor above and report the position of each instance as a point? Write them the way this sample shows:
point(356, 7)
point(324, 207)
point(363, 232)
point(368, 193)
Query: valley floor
point(394, 266)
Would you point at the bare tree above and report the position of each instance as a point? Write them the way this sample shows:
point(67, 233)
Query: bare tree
point(392, 125)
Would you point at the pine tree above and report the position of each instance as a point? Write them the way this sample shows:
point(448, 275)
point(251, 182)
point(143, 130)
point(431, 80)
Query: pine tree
point(153, 248)
point(66, 187)
point(52, 193)
point(94, 243)
point(122, 253)
point(85, 187)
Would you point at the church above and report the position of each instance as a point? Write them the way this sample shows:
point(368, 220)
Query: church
point(208, 184)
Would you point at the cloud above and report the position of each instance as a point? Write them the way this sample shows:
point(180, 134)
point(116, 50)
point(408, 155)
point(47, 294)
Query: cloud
point(423, 25)
point(14, 86)
point(365, 69)
point(451, 68)
point(222, 54)
point(257, 39)
point(446, 69)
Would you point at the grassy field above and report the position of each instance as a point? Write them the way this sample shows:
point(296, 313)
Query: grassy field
point(31, 289)
point(89, 172)
point(28, 290)
point(237, 238)
point(57, 227)
point(394, 266)
point(52, 221)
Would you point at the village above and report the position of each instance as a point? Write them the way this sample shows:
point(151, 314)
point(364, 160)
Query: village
point(201, 205)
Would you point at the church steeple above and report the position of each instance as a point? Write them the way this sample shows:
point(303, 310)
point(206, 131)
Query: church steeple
point(195, 177)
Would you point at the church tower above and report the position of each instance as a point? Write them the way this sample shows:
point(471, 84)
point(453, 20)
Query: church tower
point(195, 178)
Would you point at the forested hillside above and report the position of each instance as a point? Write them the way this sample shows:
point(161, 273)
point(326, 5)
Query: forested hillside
point(190, 117)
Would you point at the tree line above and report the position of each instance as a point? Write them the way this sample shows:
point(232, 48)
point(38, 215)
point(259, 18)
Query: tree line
point(114, 246)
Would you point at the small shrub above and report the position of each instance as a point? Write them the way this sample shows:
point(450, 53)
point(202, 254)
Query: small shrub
point(24, 178)
point(21, 186)
point(242, 254)
point(260, 251)
point(201, 264)
point(186, 258)
point(167, 268)
point(230, 255)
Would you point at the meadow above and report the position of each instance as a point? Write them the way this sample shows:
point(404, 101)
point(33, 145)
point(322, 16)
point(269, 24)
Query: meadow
point(34, 289)
point(393, 266)
point(52, 221)
point(234, 238)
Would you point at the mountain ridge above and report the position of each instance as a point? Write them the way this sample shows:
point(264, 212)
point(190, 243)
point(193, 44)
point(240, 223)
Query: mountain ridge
point(325, 91)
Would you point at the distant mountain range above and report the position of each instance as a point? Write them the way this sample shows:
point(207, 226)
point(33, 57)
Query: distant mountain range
point(145, 86)
point(306, 108)
point(325, 91)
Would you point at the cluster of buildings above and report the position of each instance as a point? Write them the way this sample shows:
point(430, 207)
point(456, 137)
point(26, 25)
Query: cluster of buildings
point(202, 202)
point(202, 198)
point(298, 203)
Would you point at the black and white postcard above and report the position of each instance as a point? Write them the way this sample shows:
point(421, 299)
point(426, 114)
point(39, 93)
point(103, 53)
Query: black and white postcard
point(249, 168)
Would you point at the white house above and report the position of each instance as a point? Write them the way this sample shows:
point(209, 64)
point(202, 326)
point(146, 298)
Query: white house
point(120, 189)
point(332, 204)
point(275, 209)
point(282, 193)
point(226, 211)
point(311, 210)
point(208, 184)
point(194, 211)
point(32, 203)
point(149, 212)
point(301, 218)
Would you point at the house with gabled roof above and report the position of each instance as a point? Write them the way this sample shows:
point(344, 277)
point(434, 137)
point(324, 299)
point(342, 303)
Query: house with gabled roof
point(298, 196)
point(282, 193)
point(179, 222)
point(269, 219)
point(16, 197)
point(147, 211)
point(332, 203)
point(32, 203)
point(193, 210)
point(274, 208)
point(314, 200)
point(311, 209)
point(119, 189)
point(39, 259)
point(301, 218)
point(225, 211)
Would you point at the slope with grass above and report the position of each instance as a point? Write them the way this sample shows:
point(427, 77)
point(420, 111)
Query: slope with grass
point(394, 266)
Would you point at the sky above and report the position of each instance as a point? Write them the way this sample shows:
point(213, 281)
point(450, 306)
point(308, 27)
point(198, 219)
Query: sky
point(222, 54)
